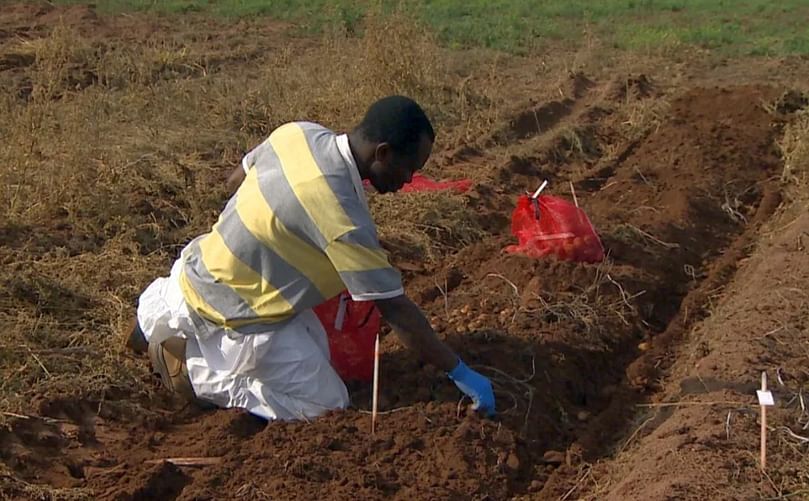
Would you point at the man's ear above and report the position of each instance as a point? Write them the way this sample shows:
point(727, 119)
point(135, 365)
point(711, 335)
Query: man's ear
point(382, 152)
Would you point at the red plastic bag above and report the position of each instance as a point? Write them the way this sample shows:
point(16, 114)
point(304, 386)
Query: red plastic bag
point(562, 230)
point(423, 183)
point(351, 327)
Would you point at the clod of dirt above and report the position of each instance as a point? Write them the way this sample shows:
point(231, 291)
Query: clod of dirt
point(245, 425)
point(554, 457)
point(791, 101)
point(526, 167)
point(537, 120)
point(631, 87)
point(579, 85)
point(575, 143)
point(453, 279)
point(163, 481)
point(513, 462)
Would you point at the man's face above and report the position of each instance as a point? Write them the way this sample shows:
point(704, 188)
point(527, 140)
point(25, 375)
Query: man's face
point(390, 170)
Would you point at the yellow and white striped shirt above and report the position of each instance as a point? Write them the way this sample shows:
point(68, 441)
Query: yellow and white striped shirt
point(296, 233)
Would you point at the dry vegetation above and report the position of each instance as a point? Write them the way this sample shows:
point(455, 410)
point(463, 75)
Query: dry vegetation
point(426, 226)
point(640, 117)
point(795, 150)
point(114, 155)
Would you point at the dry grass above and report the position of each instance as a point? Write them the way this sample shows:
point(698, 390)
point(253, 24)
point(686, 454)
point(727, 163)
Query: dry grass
point(115, 153)
point(570, 145)
point(640, 117)
point(595, 307)
point(425, 226)
point(587, 307)
point(575, 307)
point(795, 150)
point(336, 82)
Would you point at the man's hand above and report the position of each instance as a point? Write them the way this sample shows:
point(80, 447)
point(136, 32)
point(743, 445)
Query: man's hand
point(475, 386)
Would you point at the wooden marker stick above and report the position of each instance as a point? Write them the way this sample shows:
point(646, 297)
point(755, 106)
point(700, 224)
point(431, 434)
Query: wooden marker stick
point(376, 385)
point(763, 424)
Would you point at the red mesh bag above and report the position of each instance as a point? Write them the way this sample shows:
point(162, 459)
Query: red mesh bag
point(351, 334)
point(423, 183)
point(554, 226)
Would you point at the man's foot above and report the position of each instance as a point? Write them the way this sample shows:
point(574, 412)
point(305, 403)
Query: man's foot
point(168, 361)
point(134, 338)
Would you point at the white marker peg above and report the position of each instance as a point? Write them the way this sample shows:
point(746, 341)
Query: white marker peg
point(765, 398)
point(763, 394)
point(539, 190)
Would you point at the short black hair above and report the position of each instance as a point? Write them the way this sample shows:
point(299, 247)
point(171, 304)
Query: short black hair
point(398, 121)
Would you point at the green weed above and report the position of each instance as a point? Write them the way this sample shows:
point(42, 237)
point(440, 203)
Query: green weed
point(758, 27)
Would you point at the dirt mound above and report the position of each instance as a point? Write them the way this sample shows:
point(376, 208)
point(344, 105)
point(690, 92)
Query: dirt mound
point(162, 481)
point(579, 85)
point(630, 88)
point(414, 454)
point(677, 197)
point(709, 447)
point(791, 101)
point(540, 119)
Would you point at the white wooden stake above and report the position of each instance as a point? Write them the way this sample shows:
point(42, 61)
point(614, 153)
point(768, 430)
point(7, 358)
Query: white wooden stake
point(376, 385)
point(573, 191)
point(541, 187)
point(763, 424)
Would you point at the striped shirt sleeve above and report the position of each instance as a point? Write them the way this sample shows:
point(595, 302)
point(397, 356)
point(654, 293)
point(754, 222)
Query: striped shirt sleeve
point(251, 158)
point(363, 265)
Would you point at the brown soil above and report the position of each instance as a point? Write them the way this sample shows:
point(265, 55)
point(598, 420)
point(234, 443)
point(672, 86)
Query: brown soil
point(706, 440)
point(571, 348)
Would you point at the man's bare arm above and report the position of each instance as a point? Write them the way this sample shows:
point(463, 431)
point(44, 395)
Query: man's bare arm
point(413, 328)
point(235, 179)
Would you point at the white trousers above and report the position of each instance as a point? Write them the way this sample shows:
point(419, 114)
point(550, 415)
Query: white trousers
point(283, 373)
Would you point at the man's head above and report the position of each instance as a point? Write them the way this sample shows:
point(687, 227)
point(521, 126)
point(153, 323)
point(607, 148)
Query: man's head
point(392, 142)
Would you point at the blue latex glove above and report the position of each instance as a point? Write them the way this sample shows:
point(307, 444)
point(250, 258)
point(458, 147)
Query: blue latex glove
point(475, 386)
